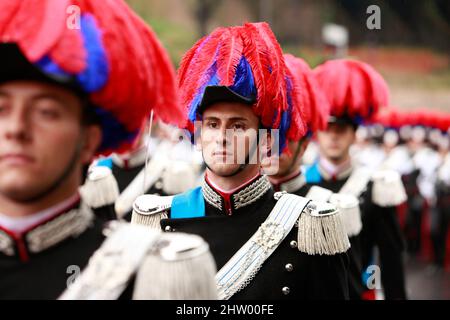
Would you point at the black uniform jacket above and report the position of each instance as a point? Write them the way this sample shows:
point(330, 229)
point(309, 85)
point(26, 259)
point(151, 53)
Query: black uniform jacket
point(287, 273)
point(381, 229)
point(125, 175)
point(297, 185)
point(41, 262)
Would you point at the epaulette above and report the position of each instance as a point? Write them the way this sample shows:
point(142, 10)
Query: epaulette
point(167, 266)
point(321, 230)
point(443, 174)
point(100, 188)
point(388, 189)
point(399, 160)
point(178, 177)
point(148, 210)
point(144, 180)
point(180, 267)
point(347, 204)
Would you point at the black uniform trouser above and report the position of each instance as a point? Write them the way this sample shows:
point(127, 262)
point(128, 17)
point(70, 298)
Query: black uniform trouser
point(441, 230)
point(413, 224)
point(381, 230)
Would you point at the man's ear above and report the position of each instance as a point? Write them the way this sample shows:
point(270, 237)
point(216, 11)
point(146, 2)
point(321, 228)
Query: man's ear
point(198, 143)
point(265, 144)
point(92, 137)
point(303, 146)
point(270, 141)
point(353, 136)
point(197, 136)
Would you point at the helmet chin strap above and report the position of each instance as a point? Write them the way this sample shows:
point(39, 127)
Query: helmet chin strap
point(67, 171)
point(251, 153)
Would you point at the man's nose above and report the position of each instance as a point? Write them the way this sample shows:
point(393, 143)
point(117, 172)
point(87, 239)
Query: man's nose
point(16, 125)
point(222, 138)
point(334, 135)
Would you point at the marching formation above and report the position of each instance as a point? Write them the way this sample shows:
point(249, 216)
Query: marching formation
point(245, 174)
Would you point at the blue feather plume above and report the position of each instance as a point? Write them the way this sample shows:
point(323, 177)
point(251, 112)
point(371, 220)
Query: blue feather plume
point(96, 74)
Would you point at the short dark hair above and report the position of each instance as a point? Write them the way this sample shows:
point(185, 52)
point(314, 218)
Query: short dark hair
point(88, 114)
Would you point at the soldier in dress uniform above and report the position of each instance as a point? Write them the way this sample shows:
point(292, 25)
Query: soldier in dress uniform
point(438, 124)
point(171, 167)
point(420, 183)
point(290, 178)
point(415, 204)
point(266, 245)
point(370, 153)
point(395, 156)
point(440, 235)
point(62, 100)
point(363, 147)
point(353, 99)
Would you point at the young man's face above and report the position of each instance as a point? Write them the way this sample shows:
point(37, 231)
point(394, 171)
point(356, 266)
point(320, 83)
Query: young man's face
point(41, 138)
point(335, 142)
point(288, 164)
point(229, 131)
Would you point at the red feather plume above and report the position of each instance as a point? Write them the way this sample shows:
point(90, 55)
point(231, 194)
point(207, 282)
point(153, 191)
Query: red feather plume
point(313, 106)
point(225, 47)
point(301, 105)
point(276, 83)
point(258, 59)
point(187, 61)
point(333, 78)
point(220, 53)
point(229, 55)
point(35, 25)
point(389, 117)
point(141, 76)
point(352, 87)
point(193, 75)
point(136, 57)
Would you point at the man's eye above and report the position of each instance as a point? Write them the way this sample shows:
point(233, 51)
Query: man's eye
point(48, 113)
point(238, 127)
point(212, 125)
point(4, 108)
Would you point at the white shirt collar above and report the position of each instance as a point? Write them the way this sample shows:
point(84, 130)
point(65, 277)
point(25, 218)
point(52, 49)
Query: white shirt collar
point(20, 224)
point(333, 169)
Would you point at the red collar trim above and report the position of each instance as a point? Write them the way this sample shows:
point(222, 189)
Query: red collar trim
point(227, 195)
point(19, 237)
point(277, 183)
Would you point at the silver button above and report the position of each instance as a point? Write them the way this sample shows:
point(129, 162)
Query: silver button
point(311, 207)
point(286, 290)
point(158, 185)
point(168, 228)
point(279, 194)
point(293, 244)
point(289, 267)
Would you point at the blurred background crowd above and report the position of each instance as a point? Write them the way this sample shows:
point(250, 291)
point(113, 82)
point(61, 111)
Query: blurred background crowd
point(408, 43)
